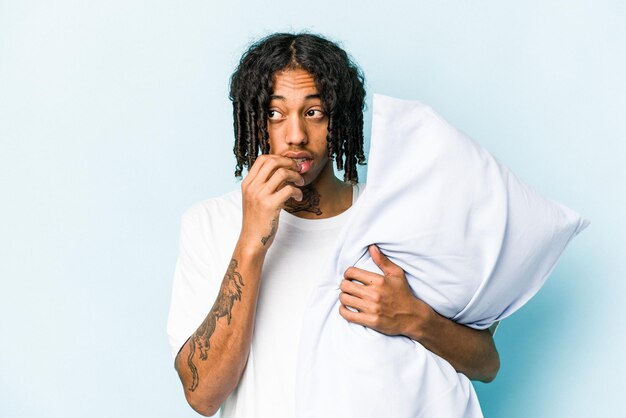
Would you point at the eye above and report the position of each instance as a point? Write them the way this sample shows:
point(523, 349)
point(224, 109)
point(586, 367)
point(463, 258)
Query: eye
point(273, 114)
point(315, 113)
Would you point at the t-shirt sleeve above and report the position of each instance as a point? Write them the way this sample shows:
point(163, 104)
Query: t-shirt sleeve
point(196, 281)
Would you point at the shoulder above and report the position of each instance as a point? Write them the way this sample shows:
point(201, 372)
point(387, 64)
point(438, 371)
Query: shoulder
point(214, 218)
point(225, 206)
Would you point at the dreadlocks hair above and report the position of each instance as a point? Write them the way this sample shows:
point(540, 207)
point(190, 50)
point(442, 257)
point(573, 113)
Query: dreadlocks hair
point(339, 82)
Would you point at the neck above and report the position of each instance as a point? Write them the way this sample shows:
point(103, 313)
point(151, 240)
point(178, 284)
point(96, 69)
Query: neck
point(325, 197)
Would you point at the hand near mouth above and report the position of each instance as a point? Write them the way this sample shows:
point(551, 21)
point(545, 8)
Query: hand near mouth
point(304, 160)
point(271, 181)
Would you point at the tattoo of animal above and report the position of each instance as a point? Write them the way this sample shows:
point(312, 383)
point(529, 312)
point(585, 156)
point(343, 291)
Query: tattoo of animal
point(274, 226)
point(310, 202)
point(230, 291)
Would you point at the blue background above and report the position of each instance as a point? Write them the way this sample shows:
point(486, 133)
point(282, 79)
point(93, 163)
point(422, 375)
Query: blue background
point(114, 119)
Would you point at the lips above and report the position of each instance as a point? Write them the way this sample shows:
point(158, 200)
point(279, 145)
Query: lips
point(304, 164)
point(303, 159)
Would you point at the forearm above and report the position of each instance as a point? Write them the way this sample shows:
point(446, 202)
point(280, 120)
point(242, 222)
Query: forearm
point(212, 360)
point(387, 304)
point(470, 351)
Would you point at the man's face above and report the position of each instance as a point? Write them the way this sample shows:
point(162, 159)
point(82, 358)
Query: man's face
point(297, 123)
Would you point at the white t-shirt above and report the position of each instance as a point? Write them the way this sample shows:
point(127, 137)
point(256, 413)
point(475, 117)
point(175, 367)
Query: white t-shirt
point(209, 233)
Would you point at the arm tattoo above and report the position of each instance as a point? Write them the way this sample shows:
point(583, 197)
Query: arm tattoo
point(230, 291)
point(272, 231)
point(310, 202)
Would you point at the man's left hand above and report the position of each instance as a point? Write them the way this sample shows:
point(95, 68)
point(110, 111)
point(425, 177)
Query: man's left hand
point(384, 303)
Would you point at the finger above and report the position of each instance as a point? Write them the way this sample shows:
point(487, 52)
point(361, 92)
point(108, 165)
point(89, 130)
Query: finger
point(273, 163)
point(383, 263)
point(282, 176)
point(355, 317)
point(354, 289)
point(371, 294)
point(355, 303)
point(284, 194)
point(347, 314)
point(258, 163)
point(362, 276)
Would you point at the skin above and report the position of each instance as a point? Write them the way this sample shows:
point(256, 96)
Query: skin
point(211, 362)
point(385, 303)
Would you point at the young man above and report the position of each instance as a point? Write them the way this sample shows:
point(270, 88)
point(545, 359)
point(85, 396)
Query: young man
point(298, 99)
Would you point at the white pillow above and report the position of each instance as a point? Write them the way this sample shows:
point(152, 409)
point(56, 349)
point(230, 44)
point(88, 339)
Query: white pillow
point(478, 241)
point(475, 241)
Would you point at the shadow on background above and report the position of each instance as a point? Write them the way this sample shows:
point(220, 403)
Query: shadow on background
point(534, 345)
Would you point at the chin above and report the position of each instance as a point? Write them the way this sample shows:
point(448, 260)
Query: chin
point(307, 183)
point(315, 174)
point(311, 178)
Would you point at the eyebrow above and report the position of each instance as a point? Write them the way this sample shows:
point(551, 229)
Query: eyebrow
point(308, 97)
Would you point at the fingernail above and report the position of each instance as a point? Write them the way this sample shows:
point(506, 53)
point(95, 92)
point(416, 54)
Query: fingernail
point(376, 248)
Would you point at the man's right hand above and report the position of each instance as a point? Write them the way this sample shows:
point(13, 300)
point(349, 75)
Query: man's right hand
point(271, 181)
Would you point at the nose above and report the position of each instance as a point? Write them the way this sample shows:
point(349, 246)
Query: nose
point(296, 131)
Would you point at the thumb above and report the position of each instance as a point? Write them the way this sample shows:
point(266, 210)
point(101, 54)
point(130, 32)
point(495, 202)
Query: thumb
point(381, 260)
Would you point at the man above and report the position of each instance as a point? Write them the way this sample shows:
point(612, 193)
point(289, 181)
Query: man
point(298, 99)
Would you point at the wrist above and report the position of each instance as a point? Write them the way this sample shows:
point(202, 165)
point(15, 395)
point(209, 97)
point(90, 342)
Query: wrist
point(250, 250)
point(425, 322)
point(255, 240)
